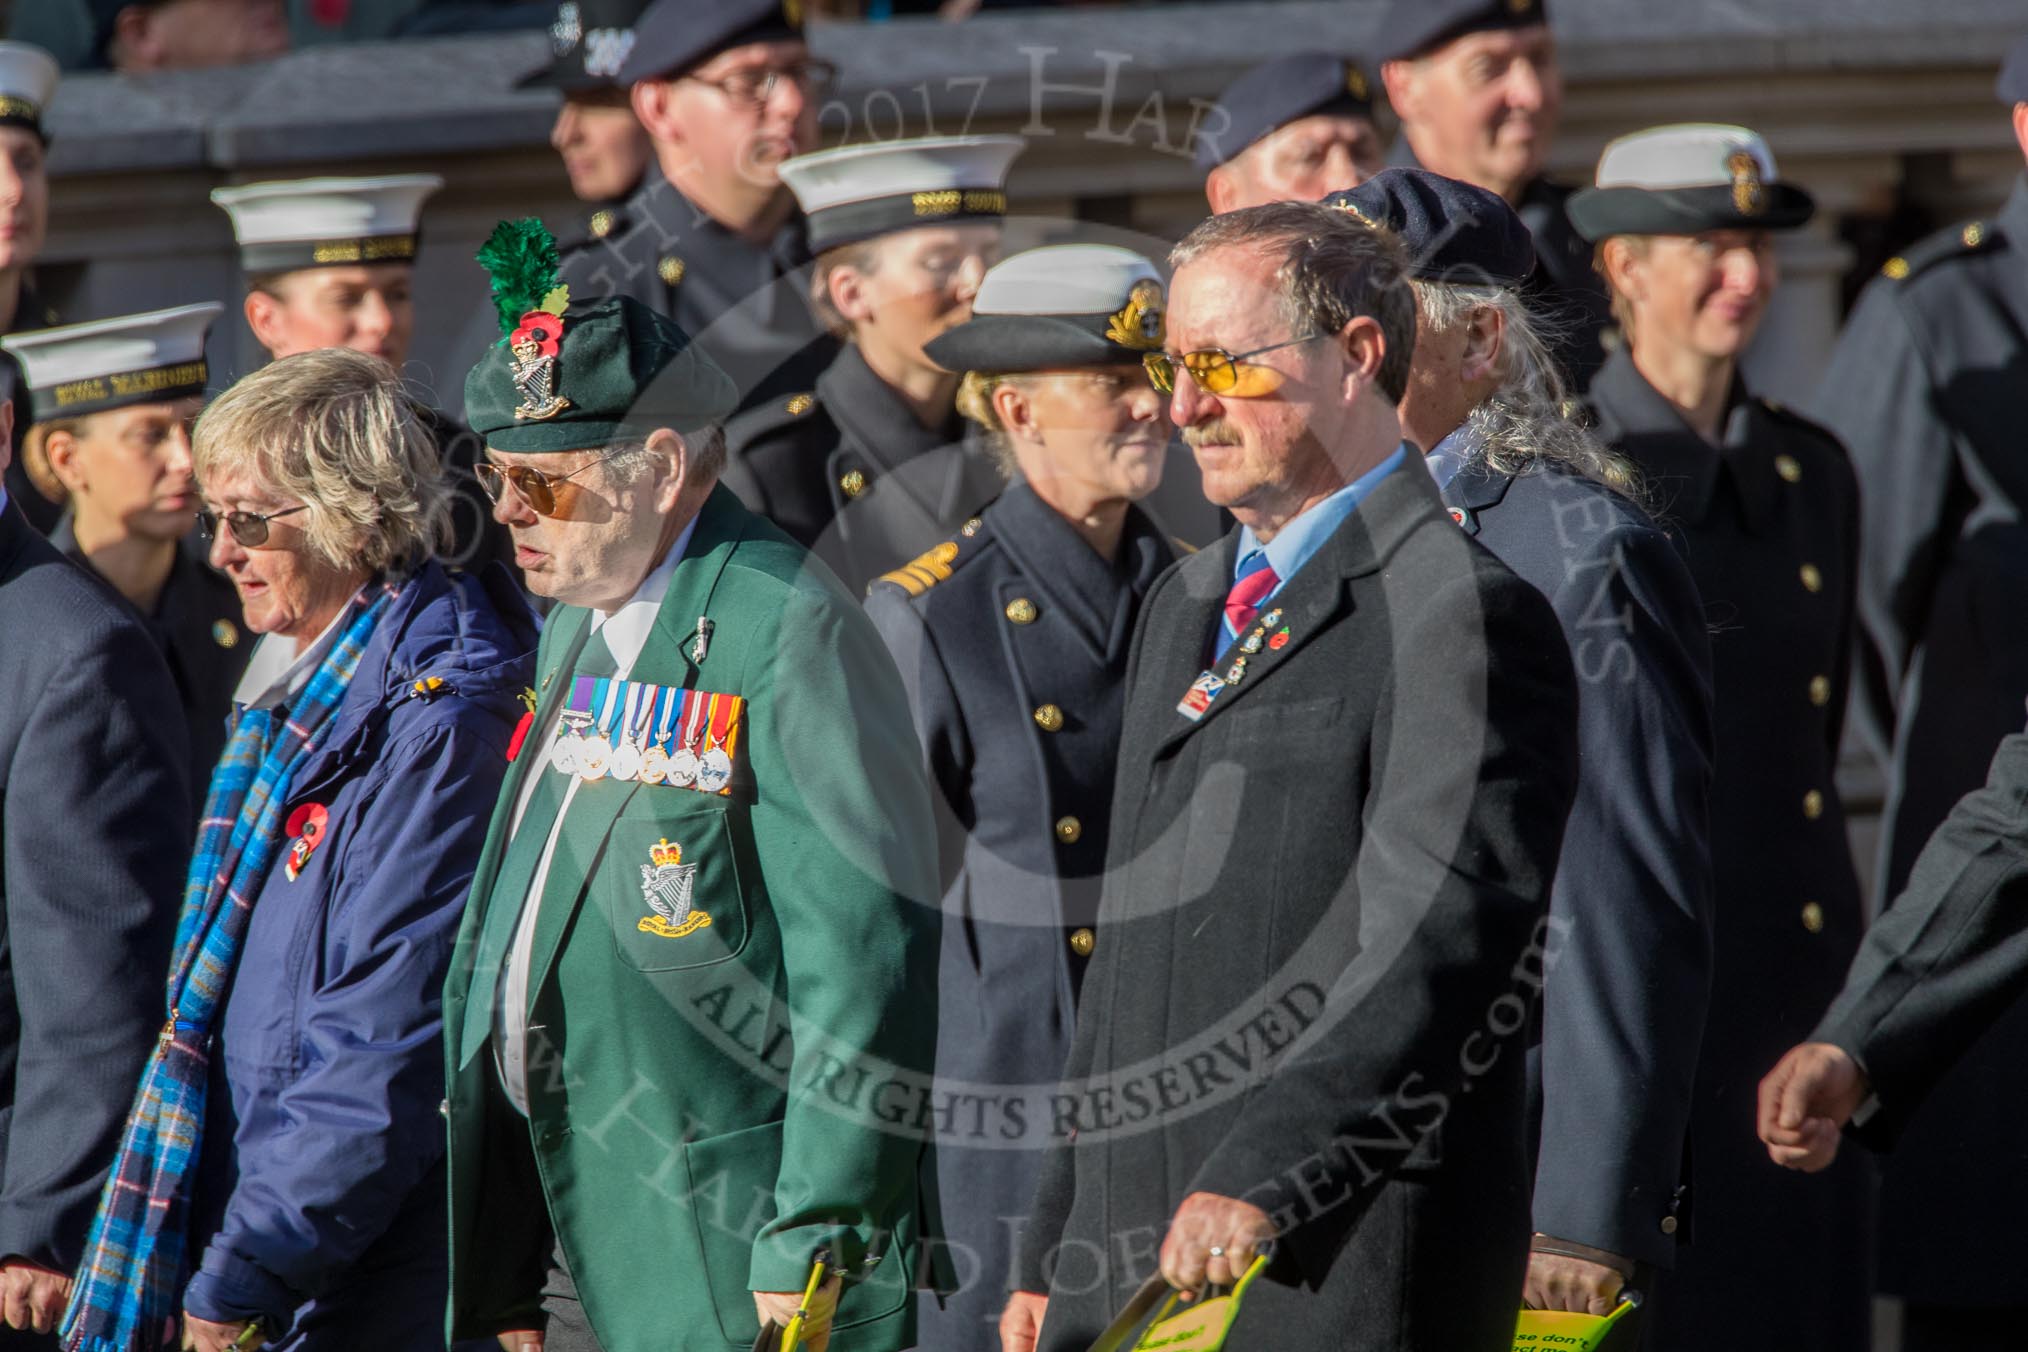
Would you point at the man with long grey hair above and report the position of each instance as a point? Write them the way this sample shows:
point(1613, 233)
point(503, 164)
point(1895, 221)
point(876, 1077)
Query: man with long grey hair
point(1631, 907)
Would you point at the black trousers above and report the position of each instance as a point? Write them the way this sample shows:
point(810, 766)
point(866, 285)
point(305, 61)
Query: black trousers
point(1946, 1328)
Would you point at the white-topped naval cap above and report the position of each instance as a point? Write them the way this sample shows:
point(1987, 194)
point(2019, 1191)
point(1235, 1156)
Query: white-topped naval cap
point(856, 192)
point(1063, 279)
point(311, 222)
point(1686, 155)
point(28, 79)
point(109, 363)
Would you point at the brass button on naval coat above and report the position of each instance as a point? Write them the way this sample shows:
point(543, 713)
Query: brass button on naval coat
point(1813, 918)
point(1021, 610)
point(601, 224)
point(671, 270)
point(1813, 578)
point(1049, 718)
point(1790, 468)
point(1082, 941)
point(1820, 690)
point(853, 483)
point(1669, 1224)
point(1069, 830)
point(1813, 804)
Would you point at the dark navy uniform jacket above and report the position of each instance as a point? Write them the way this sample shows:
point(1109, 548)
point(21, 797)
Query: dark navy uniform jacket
point(851, 474)
point(745, 303)
point(198, 628)
point(30, 313)
point(1769, 523)
point(1927, 388)
point(1030, 618)
point(1623, 1006)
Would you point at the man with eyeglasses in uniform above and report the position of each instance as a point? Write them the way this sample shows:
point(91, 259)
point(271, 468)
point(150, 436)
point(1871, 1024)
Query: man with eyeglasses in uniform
point(712, 238)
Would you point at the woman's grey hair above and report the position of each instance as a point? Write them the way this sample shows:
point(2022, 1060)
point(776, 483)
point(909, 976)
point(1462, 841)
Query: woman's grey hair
point(1531, 418)
point(1335, 268)
point(335, 429)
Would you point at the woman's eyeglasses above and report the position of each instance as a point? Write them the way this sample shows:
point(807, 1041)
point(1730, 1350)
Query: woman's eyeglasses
point(1217, 371)
point(249, 529)
point(537, 489)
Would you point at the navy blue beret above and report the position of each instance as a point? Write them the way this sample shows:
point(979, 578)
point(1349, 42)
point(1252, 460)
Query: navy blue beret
point(589, 41)
point(1412, 27)
point(1276, 93)
point(1455, 232)
point(2012, 86)
point(676, 34)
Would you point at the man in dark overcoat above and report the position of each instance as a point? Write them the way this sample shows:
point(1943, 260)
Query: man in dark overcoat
point(1347, 754)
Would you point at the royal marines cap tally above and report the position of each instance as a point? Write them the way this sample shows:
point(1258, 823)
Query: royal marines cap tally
point(28, 77)
point(1063, 305)
point(147, 358)
point(2012, 85)
point(567, 377)
point(589, 41)
point(1456, 233)
point(326, 222)
point(673, 35)
point(857, 192)
point(1681, 179)
point(1276, 93)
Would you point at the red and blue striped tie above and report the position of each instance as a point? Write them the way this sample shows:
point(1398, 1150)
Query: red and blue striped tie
point(1255, 583)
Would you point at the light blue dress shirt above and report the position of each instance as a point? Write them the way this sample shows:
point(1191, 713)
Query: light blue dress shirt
point(1303, 536)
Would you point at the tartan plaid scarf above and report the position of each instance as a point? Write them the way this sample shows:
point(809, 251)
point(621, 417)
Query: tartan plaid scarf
point(130, 1284)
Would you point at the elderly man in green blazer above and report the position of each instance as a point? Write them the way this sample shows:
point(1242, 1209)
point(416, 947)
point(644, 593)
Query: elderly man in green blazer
point(692, 1001)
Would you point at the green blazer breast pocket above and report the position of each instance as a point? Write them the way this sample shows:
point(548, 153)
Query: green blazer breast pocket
point(671, 880)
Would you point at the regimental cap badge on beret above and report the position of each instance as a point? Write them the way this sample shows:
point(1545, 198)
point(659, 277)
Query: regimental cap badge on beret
point(1140, 324)
point(521, 258)
point(589, 43)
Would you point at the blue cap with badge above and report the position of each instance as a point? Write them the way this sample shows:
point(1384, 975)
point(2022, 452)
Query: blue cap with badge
point(1456, 233)
point(1415, 27)
point(673, 35)
point(1276, 93)
point(589, 41)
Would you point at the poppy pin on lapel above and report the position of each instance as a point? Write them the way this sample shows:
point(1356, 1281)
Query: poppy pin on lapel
point(305, 829)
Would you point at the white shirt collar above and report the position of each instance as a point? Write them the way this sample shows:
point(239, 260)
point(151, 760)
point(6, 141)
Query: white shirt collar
point(273, 676)
point(626, 629)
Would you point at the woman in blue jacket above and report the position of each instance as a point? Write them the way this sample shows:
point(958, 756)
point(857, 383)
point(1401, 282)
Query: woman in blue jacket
point(302, 1052)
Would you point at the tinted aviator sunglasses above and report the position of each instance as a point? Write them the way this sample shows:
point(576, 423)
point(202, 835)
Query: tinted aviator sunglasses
point(537, 489)
point(248, 529)
point(1217, 371)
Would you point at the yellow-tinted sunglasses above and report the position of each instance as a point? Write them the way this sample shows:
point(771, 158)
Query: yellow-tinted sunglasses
point(1219, 372)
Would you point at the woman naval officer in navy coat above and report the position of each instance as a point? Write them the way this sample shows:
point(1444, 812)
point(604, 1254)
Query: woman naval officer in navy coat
point(1012, 639)
point(1765, 505)
point(875, 464)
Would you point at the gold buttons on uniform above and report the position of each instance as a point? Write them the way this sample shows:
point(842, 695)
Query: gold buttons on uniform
point(1669, 1224)
point(853, 483)
point(1021, 610)
point(601, 224)
point(1813, 804)
point(1820, 690)
point(1789, 468)
point(971, 528)
point(671, 269)
point(225, 633)
point(1069, 830)
point(1049, 718)
point(1813, 918)
point(1082, 941)
point(1813, 577)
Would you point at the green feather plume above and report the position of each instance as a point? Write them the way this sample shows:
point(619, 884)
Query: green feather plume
point(521, 258)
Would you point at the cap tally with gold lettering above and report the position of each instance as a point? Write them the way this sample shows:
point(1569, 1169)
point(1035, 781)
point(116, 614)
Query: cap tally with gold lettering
point(854, 193)
point(1060, 306)
point(28, 77)
point(150, 358)
point(326, 222)
point(1686, 178)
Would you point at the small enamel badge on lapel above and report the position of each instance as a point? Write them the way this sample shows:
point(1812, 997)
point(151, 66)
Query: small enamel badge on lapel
point(1462, 517)
point(305, 828)
point(1196, 701)
point(1279, 641)
point(521, 728)
point(666, 883)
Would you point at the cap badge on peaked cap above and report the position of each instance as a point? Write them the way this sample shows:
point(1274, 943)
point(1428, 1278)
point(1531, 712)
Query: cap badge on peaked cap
point(1141, 323)
point(1749, 195)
